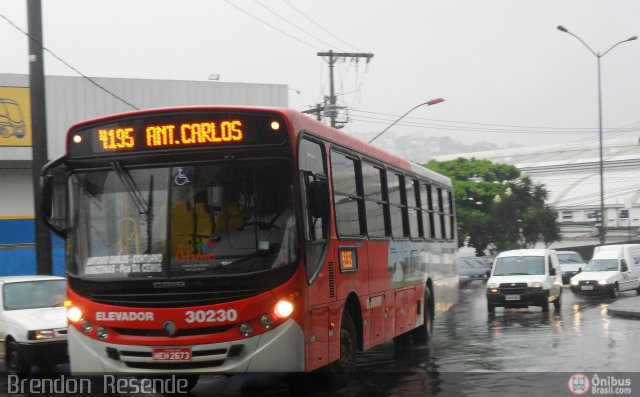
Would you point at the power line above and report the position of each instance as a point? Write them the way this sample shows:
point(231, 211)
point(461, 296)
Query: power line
point(483, 124)
point(322, 28)
point(271, 26)
point(68, 65)
point(379, 120)
point(293, 24)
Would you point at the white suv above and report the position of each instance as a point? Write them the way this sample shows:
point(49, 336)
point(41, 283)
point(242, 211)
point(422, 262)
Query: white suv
point(526, 277)
point(33, 322)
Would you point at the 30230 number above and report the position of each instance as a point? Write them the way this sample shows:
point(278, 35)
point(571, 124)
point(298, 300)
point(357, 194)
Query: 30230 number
point(210, 316)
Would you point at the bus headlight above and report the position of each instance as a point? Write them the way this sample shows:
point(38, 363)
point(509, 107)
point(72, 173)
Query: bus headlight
point(74, 314)
point(86, 326)
point(266, 321)
point(246, 330)
point(283, 309)
point(102, 333)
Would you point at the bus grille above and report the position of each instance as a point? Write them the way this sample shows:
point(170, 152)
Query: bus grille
point(181, 332)
point(175, 299)
point(187, 365)
point(209, 358)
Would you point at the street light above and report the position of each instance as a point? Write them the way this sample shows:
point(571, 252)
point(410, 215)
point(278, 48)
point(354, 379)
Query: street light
point(428, 103)
point(598, 56)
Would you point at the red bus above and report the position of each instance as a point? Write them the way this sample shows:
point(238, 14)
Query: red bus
point(243, 239)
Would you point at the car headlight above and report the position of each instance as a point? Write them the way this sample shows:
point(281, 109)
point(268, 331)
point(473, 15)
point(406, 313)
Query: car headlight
point(574, 282)
point(603, 282)
point(41, 334)
point(492, 285)
point(536, 284)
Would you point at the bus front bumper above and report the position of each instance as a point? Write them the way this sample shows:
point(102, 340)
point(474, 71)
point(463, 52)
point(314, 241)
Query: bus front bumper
point(279, 350)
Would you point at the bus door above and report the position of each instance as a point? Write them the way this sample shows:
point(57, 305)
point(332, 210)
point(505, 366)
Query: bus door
point(319, 260)
point(379, 306)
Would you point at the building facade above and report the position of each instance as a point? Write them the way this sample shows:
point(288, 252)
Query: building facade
point(571, 175)
point(68, 101)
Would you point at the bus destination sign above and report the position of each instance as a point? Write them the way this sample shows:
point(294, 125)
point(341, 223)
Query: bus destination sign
point(169, 132)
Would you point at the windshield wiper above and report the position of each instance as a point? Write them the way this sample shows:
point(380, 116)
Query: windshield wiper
point(241, 259)
point(145, 206)
point(132, 187)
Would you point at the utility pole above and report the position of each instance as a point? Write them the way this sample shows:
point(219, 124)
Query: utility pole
point(333, 57)
point(316, 110)
point(38, 132)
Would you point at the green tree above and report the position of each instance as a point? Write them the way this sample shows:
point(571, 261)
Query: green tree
point(497, 208)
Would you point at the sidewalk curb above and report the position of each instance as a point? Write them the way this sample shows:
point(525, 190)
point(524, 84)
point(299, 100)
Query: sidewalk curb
point(629, 308)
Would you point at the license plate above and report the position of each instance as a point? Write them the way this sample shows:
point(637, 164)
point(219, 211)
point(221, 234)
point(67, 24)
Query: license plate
point(512, 297)
point(587, 287)
point(172, 354)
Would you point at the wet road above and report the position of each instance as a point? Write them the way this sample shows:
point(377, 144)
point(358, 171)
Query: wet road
point(514, 352)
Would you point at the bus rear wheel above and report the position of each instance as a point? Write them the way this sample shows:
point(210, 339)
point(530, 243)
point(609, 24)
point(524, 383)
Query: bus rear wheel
point(342, 369)
point(423, 333)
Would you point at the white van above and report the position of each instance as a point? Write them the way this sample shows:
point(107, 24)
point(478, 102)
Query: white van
point(612, 269)
point(526, 277)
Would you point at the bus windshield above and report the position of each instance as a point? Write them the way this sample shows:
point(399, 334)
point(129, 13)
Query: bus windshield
point(200, 220)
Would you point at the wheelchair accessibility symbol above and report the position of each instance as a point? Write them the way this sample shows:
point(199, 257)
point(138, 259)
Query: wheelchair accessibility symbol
point(182, 177)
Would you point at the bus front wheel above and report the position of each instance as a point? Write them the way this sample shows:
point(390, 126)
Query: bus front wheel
point(342, 369)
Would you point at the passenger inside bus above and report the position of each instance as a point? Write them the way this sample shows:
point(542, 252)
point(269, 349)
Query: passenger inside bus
point(191, 221)
point(259, 220)
point(232, 212)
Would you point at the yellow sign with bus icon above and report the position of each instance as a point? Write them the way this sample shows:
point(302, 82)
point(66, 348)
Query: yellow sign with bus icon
point(15, 116)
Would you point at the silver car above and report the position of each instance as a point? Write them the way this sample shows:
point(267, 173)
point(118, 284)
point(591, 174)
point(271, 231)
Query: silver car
point(571, 263)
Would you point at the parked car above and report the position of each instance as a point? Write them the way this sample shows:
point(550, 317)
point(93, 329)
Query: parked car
point(526, 277)
point(471, 268)
point(33, 322)
point(571, 263)
point(612, 269)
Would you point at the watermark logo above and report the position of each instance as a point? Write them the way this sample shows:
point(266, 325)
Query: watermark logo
point(579, 384)
point(109, 384)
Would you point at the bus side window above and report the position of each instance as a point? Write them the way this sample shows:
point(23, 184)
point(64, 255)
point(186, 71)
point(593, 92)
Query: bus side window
point(396, 205)
point(436, 202)
point(347, 197)
point(315, 192)
point(375, 204)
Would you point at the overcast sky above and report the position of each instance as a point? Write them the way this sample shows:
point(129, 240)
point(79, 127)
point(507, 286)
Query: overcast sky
point(507, 74)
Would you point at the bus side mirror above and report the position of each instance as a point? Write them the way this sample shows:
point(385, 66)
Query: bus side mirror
point(47, 196)
point(552, 271)
point(318, 199)
point(53, 205)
